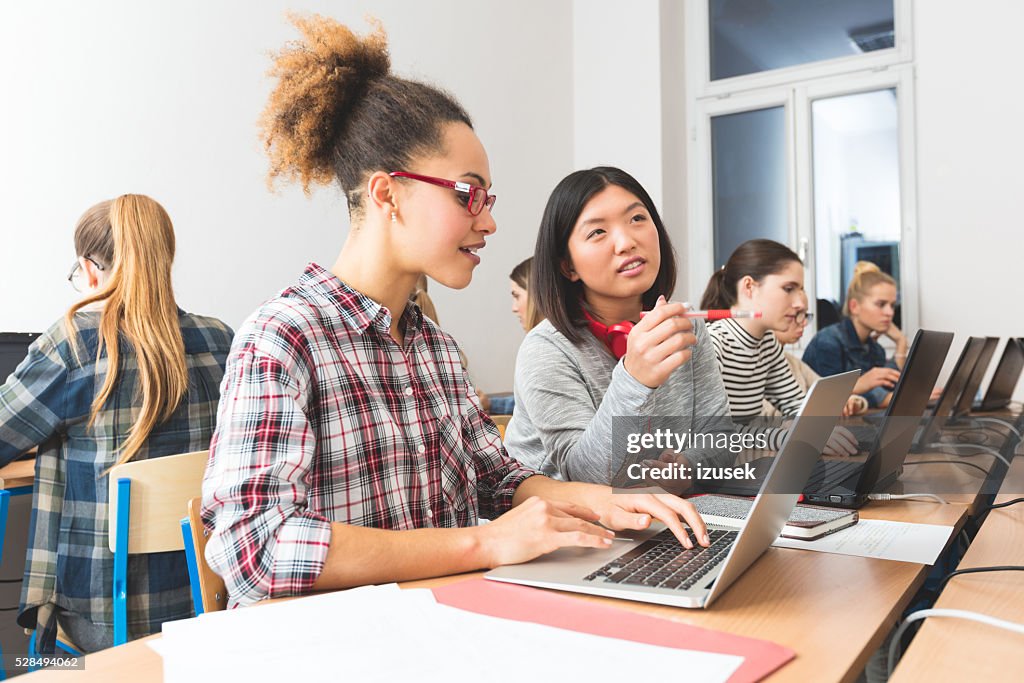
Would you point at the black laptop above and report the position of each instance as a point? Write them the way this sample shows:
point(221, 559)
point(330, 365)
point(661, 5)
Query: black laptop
point(951, 392)
point(970, 391)
point(958, 378)
point(1004, 381)
point(13, 349)
point(847, 484)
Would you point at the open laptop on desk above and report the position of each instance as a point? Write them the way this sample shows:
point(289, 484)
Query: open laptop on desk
point(846, 484)
point(943, 407)
point(1004, 381)
point(13, 349)
point(656, 568)
point(951, 392)
point(966, 400)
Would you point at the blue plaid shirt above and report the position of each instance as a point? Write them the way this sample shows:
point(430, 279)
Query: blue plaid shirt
point(46, 403)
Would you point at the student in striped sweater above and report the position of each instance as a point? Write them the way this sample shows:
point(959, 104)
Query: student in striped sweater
point(804, 373)
point(761, 275)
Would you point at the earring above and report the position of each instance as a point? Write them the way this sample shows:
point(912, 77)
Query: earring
point(394, 217)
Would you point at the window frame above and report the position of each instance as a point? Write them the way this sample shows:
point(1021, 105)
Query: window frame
point(795, 88)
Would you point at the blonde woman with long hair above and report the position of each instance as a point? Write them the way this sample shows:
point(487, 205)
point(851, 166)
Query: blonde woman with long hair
point(125, 375)
point(852, 343)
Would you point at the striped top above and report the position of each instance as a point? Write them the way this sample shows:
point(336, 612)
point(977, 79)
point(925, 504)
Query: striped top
point(754, 370)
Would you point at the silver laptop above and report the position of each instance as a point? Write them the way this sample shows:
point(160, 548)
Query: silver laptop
point(655, 567)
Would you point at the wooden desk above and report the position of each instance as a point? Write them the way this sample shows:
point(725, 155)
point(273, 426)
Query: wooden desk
point(955, 649)
point(833, 610)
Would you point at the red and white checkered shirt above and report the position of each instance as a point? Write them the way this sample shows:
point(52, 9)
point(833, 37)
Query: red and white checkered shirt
point(324, 418)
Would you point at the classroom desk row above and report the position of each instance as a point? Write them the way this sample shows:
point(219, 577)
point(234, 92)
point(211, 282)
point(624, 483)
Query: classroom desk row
point(834, 611)
point(956, 649)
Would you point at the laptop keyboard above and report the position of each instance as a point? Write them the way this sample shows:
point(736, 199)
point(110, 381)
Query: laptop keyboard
point(663, 562)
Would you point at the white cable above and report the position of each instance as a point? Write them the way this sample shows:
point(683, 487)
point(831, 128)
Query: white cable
point(901, 496)
point(1004, 423)
point(954, 613)
point(986, 449)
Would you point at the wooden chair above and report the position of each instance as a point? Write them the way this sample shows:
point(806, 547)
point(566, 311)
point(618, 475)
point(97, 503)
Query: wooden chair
point(146, 500)
point(502, 422)
point(208, 591)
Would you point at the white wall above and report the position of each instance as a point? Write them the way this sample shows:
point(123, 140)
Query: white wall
point(103, 98)
point(970, 110)
point(629, 99)
point(617, 88)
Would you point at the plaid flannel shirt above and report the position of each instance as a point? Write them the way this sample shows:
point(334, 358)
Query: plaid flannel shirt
point(46, 403)
point(324, 418)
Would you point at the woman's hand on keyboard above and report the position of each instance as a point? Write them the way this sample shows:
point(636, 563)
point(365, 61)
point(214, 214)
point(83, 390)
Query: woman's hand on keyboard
point(855, 405)
point(876, 377)
point(842, 442)
point(635, 511)
point(538, 526)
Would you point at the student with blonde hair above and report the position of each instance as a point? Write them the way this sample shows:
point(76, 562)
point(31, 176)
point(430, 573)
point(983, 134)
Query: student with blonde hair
point(803, 373)
point(125, 375)
point(350, 447)
point(852, 343)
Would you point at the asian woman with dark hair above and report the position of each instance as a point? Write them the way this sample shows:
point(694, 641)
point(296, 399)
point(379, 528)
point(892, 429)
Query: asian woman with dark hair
point(603, 257)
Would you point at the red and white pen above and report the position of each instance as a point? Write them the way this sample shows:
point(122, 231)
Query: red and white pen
point(718, 314)
point(722, 314)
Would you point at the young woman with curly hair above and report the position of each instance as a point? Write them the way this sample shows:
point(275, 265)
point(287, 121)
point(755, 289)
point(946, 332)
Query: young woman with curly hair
point(350, 448)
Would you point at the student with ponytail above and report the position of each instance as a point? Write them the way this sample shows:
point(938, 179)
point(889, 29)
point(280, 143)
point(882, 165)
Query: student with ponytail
point(851, 344)
point(126, 375)
point(768, 277)
point(350, 447)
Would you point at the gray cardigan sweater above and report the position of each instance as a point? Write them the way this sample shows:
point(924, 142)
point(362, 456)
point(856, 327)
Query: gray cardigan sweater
point(566, 397)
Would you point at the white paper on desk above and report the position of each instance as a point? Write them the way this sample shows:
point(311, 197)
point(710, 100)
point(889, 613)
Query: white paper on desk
point(378, 634)
point(881, 539)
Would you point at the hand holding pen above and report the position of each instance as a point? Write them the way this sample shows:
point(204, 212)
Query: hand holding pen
point(659, 343)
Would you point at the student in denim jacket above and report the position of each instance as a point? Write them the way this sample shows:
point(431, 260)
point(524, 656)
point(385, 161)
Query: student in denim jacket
point(851, 344)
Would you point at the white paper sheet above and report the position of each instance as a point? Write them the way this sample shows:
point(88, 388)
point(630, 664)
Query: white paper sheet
point(385, 634)
point(881, 539)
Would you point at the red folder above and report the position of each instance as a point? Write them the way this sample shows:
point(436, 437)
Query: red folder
point(539, 606)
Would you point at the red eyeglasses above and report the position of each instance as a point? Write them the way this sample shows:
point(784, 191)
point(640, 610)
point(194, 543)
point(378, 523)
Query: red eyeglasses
point(472, 197)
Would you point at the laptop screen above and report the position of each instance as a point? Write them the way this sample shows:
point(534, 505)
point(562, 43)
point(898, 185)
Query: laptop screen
point(1000, 389)
point(13, 349)
point(966, 402)
point(909, 400)
point(961, 373)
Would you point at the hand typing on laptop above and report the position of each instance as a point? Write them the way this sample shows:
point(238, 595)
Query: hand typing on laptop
point(538, 526)
point(841, 442)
